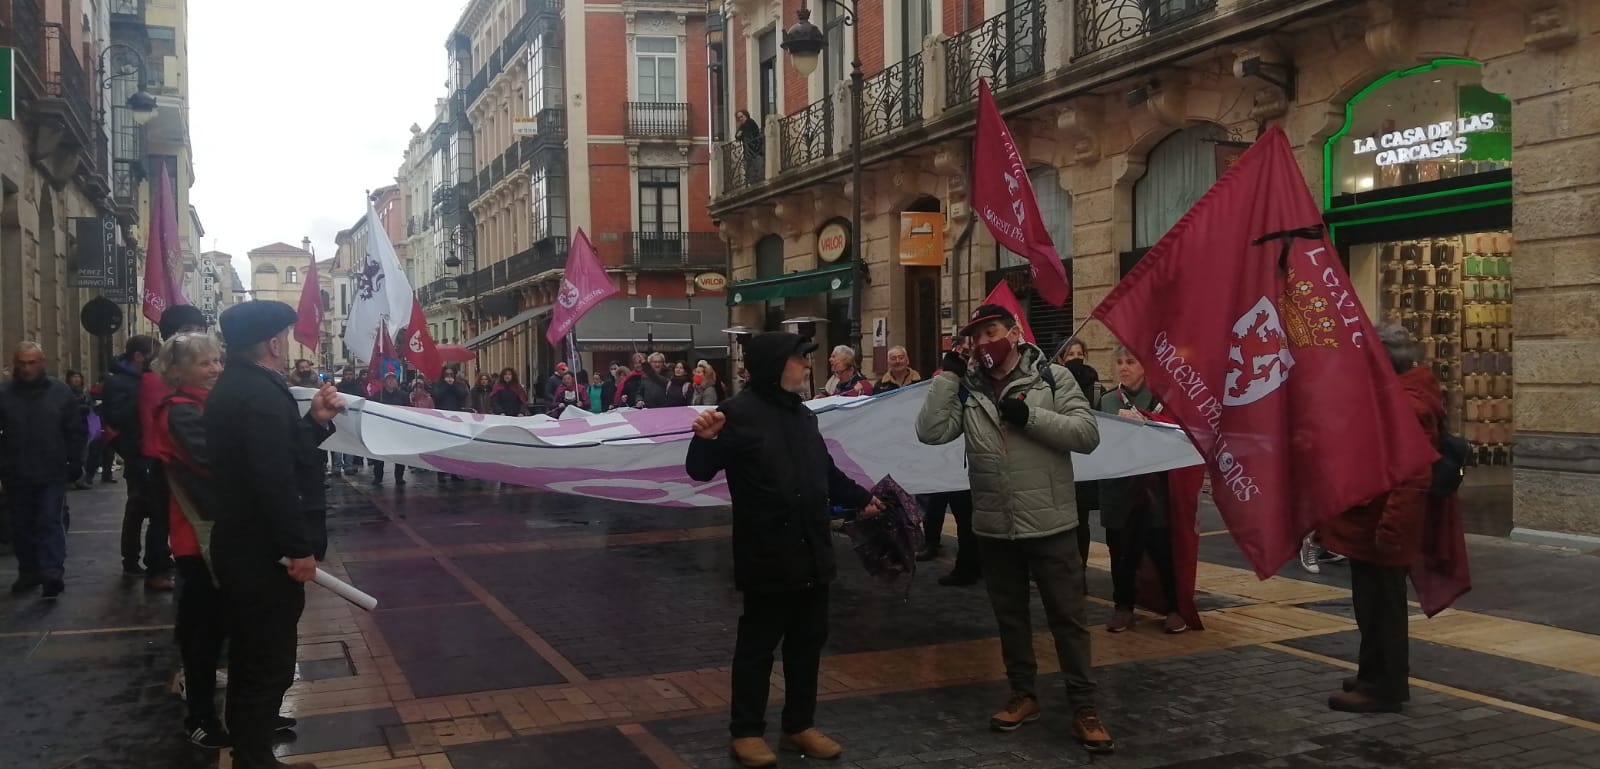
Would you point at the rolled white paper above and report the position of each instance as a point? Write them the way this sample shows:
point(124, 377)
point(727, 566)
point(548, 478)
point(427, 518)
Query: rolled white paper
point(341, 588)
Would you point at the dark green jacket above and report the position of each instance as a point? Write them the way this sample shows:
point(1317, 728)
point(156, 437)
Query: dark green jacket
point(1119, 495)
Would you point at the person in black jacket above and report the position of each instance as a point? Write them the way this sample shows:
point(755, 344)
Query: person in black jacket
point(1074, 355)
point(351, 384)
point(270, 505)
point(450, 393)
point(783, 482)
point(656, 381)
point(42, 439)
point(392, 395)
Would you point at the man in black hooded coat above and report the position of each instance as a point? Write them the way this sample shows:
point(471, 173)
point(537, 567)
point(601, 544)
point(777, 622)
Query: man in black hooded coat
point(783, 483)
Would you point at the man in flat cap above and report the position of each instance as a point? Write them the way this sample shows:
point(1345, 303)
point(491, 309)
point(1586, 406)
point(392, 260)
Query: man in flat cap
point(268, 487)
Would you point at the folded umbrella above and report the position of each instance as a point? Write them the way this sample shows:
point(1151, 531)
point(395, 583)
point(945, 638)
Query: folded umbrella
point(887, 543)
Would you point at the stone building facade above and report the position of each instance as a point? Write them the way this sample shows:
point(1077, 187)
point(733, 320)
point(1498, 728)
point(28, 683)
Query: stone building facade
point(1127, 112)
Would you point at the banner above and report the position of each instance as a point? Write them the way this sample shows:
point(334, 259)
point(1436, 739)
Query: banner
point(634, 455)
point(1251, 334)
point(420, 351)
point(1005, 297)
point(163, 267)
point(95, 262)
point(1002, 196)
point(584, 284)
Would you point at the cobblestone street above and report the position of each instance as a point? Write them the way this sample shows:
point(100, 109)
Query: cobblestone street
point(519, 629)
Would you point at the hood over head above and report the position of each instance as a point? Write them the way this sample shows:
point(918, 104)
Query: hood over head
point(767, 354)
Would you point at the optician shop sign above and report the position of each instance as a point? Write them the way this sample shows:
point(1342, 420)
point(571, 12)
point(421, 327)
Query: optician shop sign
point(1446, 138)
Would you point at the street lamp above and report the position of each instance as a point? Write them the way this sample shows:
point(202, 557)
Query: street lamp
point(805, 44)
point(141, 104)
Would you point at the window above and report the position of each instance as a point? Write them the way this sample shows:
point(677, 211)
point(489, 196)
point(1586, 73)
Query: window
point(549, 201)
point(660, 216)
point(1179, 170)
point(657, 62)
point(767, 48)
point(833, 61)
point(344, 299)
point(769, 257)
point(545, 79)
point(918, 18)
point(291, 275)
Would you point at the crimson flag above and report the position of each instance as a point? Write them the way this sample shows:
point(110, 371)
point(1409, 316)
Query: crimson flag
point(420, 350)
point(308, 328)
point(163, 266)
point(383, 360)
point(1003, 197)
point(1003, 296)
point(1251, 335)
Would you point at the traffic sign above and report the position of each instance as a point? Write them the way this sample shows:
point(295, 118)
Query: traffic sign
point(674, 315)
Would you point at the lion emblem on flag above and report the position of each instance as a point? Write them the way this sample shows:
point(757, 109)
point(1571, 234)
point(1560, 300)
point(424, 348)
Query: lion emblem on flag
point(1258, 359)
point(568, 298)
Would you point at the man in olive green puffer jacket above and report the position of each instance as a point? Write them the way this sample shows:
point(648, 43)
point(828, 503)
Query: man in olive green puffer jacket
point(1023, 418)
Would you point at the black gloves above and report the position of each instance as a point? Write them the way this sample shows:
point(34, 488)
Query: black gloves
point(954, 363)
point(1014, 410)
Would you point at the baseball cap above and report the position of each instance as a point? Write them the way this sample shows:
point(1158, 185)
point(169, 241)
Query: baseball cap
point(986, 313)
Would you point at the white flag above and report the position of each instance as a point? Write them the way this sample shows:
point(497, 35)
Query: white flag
point(383, 294)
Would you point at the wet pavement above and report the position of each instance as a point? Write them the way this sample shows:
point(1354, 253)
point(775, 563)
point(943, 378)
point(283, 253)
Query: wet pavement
point(520, 629)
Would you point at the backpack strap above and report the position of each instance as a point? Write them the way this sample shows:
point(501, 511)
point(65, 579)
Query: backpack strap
point(1048, 375)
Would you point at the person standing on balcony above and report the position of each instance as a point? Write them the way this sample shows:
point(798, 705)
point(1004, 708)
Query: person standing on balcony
point(749, 135)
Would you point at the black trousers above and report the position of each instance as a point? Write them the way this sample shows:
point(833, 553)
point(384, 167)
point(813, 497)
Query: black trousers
point(1379, 595)
point(969, 558)
point(147, 501)
point(100, 457)
point(1128, 547)
point(1053, 564)
point(263, 610)
point(377, 470)
point(799, 620)
point(202, 629)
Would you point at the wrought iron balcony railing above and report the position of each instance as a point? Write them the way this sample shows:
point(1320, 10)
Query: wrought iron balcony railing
point(892, 99)
point(806, 137)
point(476, 86)
point(1006, 49)
point(658, 119)
point(1101, 24)
point(743, 163)
point(676, 249)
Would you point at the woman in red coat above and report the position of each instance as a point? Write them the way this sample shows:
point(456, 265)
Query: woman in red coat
point(190, 364)
point(1383, 538)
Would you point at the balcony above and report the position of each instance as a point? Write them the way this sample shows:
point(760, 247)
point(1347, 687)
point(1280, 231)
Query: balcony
point(438, 291)
point(658, 120)
point(892, 99)
point(806, 137)
point(1101, 24)
point(1006, 49)
point(743, 164)
point(676, 250)
point(543, 256)
point(476, 86)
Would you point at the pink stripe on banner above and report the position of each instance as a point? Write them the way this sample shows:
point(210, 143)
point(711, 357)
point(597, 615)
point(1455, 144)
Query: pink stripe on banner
point(668, 486)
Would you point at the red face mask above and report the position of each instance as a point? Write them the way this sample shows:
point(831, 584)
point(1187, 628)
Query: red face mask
point(699, 379)
point(993, 354)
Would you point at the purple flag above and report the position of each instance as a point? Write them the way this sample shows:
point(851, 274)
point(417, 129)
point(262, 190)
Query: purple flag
point(583, 286)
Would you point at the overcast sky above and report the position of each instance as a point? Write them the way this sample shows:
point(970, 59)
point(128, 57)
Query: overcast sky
point(299, 106)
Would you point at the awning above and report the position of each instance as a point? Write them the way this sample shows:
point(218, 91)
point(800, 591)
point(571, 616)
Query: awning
point(520, 318)
point(834, 277)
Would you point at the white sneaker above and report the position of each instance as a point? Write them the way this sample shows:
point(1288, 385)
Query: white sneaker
point(1308, 556)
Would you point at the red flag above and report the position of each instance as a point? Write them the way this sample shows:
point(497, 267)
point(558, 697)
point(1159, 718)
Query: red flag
point(308, 328)
point(1003, 198)
point(583, 285)
point(1254, 340)
point(1003, 296)
point(163, 265)
point(383, 356)
point(420, 350)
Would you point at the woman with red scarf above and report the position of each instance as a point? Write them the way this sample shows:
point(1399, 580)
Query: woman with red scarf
point(190, 364)
point(508, 397)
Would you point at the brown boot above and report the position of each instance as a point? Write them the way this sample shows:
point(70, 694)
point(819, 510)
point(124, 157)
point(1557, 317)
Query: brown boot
point(1091, 733)
point(811, 744)
point(1121, 621)
point(1361, 702)
point(1175, 624)
point(160, 583)
point(752, 752)
point(1019, 710)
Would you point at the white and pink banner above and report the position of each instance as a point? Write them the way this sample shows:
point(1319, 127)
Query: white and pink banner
point(636, 455)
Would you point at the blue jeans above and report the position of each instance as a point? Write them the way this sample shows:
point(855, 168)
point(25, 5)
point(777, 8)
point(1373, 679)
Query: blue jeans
point(37, 529)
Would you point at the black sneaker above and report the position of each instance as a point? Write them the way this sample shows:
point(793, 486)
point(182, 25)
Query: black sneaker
point(283, 723)
point(132, 570)
point(957, 579)
point(53, 588)
point(25, 584)
point(208, 734)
